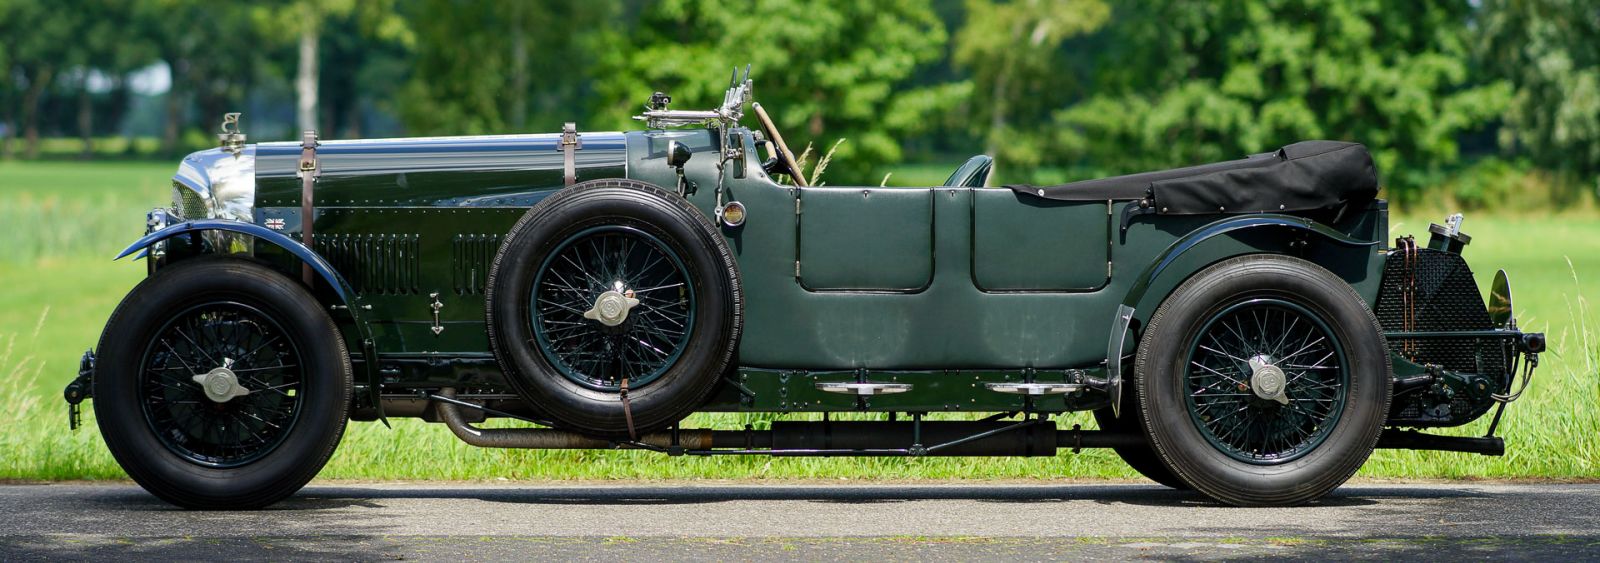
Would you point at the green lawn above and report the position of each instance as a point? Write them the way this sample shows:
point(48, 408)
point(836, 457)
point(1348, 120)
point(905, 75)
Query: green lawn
point(63, 221)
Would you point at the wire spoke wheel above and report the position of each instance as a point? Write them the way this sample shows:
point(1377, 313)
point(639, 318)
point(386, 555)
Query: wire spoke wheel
point(612, 303)
point(613, 283)
point(1266, 380)
point(221, 384)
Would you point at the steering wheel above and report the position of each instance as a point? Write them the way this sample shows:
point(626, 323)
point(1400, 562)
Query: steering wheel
point(784, 156)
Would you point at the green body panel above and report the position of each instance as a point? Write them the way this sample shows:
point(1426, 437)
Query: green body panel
point(944, 287)
point(952, 322)
point(1022, 243)
point(869, 239)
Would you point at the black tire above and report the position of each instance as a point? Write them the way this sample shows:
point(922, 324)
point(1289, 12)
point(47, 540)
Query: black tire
point(1141, 458)
point(1287, 448)
point(587, 397)
point(157, 426)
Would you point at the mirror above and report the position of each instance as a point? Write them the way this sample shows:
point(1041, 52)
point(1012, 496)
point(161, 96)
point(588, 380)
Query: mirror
point(677, 154)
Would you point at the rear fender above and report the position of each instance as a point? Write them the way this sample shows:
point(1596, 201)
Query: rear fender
point(1211, 243)
point(1221, 240)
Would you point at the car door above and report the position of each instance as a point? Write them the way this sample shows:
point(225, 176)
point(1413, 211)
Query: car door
point(1029, 244)
point(865, 239)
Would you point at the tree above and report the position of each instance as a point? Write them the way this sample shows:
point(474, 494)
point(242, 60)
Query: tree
point(213, 50)
point(1549, 51)
point(1191, 82)
point(372, 52)
point(825, 69)
point(376, 20)
point(496, 67)
point(104, 45)
point(1013, 51)
point(37, 38)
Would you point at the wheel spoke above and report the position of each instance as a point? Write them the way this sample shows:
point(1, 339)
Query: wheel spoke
point(1226, 359)
point(646, 341)
point(241, 342)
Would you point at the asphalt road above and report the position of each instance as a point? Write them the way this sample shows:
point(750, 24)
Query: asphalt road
point(672, 521)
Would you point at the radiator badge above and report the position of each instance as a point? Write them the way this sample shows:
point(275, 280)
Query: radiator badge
point(275, 223)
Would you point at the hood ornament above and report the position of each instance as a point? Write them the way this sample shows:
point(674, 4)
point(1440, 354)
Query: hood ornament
point(230, 138)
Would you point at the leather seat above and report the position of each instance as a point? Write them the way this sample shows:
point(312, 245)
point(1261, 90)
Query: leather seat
point(974, 173)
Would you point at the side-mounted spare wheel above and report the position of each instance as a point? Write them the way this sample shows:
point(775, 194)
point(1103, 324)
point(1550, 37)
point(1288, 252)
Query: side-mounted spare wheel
point(614, 306)
point(221, 384)
point(1263, 381)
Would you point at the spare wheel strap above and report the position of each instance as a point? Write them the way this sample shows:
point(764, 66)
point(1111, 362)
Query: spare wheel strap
point(627, 411)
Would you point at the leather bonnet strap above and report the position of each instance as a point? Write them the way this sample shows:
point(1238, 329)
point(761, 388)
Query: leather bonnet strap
point(570, 142)
point(309, 171)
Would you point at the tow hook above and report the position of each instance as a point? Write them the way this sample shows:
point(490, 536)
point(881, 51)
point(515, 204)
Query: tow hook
point(81, 388)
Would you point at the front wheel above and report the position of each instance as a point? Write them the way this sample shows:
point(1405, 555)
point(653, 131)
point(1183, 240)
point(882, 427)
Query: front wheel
point(221, 384)
point(1263, 381)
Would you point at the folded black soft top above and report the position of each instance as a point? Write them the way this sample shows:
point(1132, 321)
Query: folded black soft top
point(1308, 175)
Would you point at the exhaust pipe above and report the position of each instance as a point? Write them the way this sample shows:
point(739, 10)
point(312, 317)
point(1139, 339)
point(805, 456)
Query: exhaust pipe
point(549, 438)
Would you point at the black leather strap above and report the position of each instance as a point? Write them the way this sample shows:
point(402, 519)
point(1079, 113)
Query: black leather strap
point(627, 411)
point(570, 142)
point(309, 171)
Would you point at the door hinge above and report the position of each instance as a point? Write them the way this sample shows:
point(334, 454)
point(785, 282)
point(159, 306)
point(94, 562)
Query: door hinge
point(797, 268)
point(797, 206)
point(1108, 270)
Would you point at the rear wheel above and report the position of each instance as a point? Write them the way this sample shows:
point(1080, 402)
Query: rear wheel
point(1263, 381)
point(221, 384)
point(1141, 458)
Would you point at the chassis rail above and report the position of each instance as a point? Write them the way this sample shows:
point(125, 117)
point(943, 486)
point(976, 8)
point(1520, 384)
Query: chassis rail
point(914, 438)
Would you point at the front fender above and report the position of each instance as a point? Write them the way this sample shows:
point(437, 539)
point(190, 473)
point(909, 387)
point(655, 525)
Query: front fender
point(318, 264)
point(349, 299)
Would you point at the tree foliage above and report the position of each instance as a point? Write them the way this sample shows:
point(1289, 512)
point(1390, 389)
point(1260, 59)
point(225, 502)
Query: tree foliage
point(38, 44)
point(1013, 52)
point(1197, 81)
point(1083, 86)
point(484, 66)
point(1549, 51)
point(824, 69)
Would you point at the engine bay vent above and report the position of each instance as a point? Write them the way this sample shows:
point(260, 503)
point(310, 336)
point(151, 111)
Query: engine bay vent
point(471, 256)
point(377, 264)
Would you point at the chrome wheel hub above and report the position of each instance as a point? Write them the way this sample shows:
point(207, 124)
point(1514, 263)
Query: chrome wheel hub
point(1267, 380)
point(612, 307)
point(221, 384)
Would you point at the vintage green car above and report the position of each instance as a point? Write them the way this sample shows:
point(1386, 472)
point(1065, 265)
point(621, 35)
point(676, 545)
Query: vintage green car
point(1245, 328)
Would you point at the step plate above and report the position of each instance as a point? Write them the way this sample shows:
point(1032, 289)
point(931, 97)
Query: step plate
point(853, 388)
point(1035, 388)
